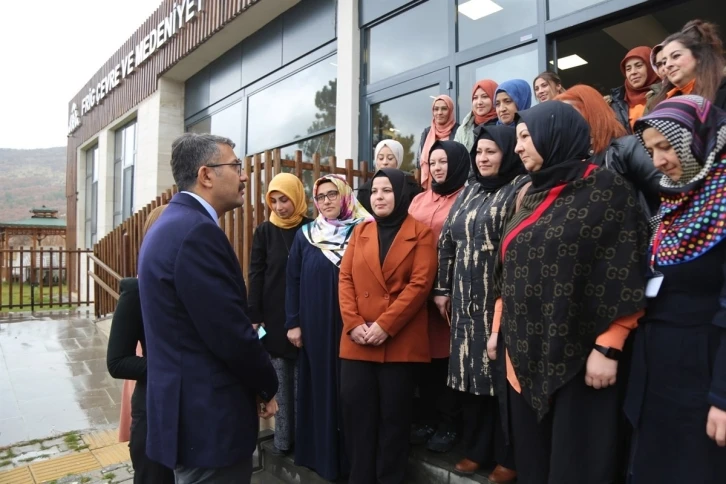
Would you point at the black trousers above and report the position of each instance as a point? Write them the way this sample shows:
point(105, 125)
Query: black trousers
point(483, 435)
point(377, 400)
point(438, 404)
point(575, 443)
point(146, 471)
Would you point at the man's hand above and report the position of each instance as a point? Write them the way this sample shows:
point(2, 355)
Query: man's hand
point(601, 370)
point(443, 303)
point(716, 426)
point(295, 337)
point(375, 335)
point(358, 335)
point(492, 346)
point(266, 410)
point(256, 326)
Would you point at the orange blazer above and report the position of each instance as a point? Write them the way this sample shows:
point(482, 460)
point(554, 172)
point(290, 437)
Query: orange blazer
point(394, 296)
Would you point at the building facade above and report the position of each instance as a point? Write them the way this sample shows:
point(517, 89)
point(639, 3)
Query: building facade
point(327, 76)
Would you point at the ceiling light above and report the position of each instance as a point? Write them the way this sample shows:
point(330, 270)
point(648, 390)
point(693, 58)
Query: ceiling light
point(569, 62)
point(476, 9)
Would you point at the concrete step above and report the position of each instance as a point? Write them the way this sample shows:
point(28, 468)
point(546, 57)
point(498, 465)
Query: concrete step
point(424, 467)
point(264, 477)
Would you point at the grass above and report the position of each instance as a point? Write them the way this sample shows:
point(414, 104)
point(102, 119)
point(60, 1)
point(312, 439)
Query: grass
point(9, 454)
point(23, 303)
point(74, 442)
point(108, 477)
point(85, 479)
point(5, 462)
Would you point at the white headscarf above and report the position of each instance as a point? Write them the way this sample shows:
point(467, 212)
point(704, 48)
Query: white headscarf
point(394, 146)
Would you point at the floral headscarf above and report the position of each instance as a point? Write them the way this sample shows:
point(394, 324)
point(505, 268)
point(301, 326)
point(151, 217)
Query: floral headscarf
point(331, 236)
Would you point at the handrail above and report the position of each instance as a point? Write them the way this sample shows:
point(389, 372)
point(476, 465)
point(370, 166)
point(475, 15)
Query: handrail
point(103, 266)
point(104, 286)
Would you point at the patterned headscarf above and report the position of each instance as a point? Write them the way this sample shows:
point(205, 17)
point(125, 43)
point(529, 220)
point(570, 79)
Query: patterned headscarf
point(331, 236)
point(692, 215)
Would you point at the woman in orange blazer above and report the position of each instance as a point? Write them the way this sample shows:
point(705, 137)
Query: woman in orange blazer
point(385, 279)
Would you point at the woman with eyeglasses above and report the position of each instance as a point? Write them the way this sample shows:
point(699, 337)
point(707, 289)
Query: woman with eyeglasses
point(315, 326)
point(268, 265)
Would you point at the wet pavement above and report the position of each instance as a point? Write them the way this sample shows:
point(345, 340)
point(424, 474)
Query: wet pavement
point(53, 377)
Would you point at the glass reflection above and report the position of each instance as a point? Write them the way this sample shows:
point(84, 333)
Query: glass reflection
point(558, 8)
point(294, 108)
point(228, 123)
point(409, 40)
point(403, 119)
point(203, 126)
point(519, 63)
point(480, 21)
point(323, 144)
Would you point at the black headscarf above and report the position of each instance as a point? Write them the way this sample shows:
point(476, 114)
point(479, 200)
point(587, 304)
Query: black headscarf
point(562, 138)
point(458, 172)
point(389, 225)
point(505, 138)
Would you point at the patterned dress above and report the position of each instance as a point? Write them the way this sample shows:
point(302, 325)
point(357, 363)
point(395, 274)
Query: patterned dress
point(467, 249)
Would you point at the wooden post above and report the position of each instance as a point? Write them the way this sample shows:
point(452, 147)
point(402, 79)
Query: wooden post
point(248, 227)
point(258, 195)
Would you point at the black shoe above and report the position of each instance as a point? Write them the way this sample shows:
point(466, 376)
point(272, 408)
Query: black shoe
point(420, 434)
point(442, 441)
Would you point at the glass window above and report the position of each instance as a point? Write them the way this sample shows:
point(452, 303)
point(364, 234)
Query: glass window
point(520, 63)
point(128, 192)
point(293, 108)
point(228, 123)
point(90, 195)
point(409, 40)
point(481, 21)
point(124, 160)
point(323, 144)
point(202, 127)
point(403, 119)
point(558, 8)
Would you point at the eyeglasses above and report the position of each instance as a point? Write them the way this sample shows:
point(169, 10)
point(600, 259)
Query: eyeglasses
point(237, 163)
point(332, 195)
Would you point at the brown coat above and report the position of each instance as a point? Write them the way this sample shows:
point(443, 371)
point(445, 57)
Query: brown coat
point(394, 296)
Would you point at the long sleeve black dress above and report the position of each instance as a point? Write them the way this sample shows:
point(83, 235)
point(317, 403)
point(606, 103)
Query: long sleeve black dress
point(127, 331)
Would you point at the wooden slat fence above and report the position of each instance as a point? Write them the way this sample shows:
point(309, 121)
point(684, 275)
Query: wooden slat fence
point(118, 251)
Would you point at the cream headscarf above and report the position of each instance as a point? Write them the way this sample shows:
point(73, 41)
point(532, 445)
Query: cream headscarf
point(394, 146)
point(290, 186)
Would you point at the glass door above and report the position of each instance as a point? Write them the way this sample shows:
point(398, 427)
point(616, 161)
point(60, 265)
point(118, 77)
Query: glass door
point(401, 112)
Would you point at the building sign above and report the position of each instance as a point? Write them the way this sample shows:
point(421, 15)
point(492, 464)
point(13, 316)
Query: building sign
point(181, 14)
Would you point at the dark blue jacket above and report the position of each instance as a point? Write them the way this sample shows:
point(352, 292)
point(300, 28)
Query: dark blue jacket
point(205, 364)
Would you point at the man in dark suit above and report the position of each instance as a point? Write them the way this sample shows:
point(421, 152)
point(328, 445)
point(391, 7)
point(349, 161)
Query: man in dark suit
point(209, 378)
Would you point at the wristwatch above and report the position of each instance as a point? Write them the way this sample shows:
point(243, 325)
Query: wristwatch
point(611, 353)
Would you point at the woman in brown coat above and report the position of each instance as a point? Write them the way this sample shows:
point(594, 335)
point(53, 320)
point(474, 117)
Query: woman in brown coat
point(385, 279)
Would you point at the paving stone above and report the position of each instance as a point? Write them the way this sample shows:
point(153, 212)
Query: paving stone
point(24, 449)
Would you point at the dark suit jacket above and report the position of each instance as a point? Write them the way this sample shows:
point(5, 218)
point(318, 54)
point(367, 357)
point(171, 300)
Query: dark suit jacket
point(205, 364)
point(394, 295)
